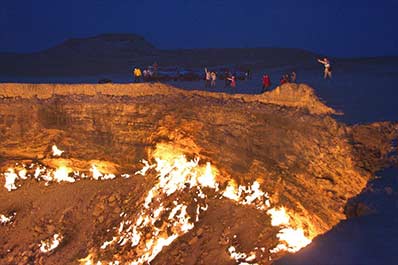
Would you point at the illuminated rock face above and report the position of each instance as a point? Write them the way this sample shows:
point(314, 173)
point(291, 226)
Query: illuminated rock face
point(309, 164)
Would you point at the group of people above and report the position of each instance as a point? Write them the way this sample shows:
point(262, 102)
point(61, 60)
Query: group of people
point(286, 78)
point(146, 74)
point(210, 79)
point(230, 79)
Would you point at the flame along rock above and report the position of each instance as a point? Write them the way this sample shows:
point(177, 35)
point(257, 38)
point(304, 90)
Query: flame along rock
point(7, 219)
point(41, 172)
point(56, 151)
point(165, 223)
point(242, 258)
point(10, 178)
point(173, 177)
point(50, 244)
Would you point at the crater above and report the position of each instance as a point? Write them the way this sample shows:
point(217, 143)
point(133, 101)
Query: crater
point(151, 173)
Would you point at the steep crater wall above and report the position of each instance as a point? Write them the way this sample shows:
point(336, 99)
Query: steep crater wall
point(307, 162)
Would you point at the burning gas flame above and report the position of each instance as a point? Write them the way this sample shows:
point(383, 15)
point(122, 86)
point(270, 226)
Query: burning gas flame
point(96, 173)
point(242, 258)
point(62, 174)
point(164, 223)
point(7, 219)
point(207, 179)
point(247, 195)
point(56, 151)
point(10, 177)
point(22, 174)
point(163, 216)
point(292, 239)
point(51, 243)
point(278, 216)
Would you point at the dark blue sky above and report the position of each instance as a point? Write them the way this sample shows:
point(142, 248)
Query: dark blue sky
point(331, 27)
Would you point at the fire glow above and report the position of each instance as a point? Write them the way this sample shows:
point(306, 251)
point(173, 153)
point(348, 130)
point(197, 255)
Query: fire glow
point(163, 216)
point(4, 220)
point(62, 173)
point(157, 225)
point(251, 195)
point(56, 151)
point(292, 239)
point(51, 243)
point(181, 175)
point(242, 258)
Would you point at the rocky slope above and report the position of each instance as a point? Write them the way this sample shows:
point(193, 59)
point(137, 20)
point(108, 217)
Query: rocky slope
point(284, 141)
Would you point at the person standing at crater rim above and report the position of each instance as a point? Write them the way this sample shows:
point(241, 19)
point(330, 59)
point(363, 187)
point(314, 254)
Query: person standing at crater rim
point(155, 67)
point(207, 78)
point(328, 68)
point(293, 77)
point(213, 76)
point(232, 80)
point(248, 75)
point(266, 82)
point(227, 74)
point(137, 75)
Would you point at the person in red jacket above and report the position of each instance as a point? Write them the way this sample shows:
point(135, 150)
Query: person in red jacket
point(266, 82)
point(232, 79)
point(283, 80)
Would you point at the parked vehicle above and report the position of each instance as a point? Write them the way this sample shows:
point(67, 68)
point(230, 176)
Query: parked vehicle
point(104, 81)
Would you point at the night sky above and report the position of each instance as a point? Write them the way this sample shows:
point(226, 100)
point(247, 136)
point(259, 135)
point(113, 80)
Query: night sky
point(334, 27)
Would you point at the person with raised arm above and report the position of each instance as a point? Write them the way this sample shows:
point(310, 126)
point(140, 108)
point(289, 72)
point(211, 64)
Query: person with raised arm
point(328, 68)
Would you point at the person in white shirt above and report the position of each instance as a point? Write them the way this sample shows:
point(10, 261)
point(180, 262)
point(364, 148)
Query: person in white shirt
point(328, 69)
point(208, 78)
